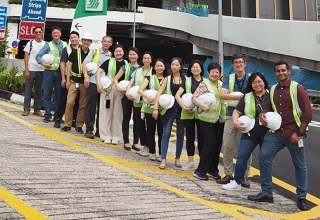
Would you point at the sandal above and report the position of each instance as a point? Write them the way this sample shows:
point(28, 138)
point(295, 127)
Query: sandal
point(162, 166)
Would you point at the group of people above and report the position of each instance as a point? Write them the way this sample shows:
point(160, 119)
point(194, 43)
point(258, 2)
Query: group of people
point(81, 97)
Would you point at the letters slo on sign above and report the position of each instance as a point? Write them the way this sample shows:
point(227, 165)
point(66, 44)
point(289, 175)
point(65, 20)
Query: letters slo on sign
point(94, 5)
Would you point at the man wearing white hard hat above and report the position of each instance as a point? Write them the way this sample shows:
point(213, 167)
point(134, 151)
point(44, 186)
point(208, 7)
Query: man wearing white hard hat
point(75, 84)
point(51, 75)
point(250, 106)
point(291, 101)
point(33, 73)
point(234, 82)
point(93, 97)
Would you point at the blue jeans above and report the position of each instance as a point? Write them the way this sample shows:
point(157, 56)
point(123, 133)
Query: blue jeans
point(271, 146)
point(245, 150)
point(174, 114)
point(52, 80)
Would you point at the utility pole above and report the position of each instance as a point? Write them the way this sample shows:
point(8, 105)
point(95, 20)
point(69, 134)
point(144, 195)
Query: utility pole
point(220, 37)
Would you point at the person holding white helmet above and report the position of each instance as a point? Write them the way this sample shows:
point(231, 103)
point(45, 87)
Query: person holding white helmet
point(98, 56)
point(211, 123)
point(110, 111)
point(234, 82)
point(75, 84)
point(136, 80)
point(291, 101)
point(153, 82)
point(51, 75)
point(171, 85)
point(255, 100)
point(188, 115)
point(125, 73)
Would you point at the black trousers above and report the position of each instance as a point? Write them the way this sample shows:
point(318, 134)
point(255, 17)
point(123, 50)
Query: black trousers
point(140, 126)
point(191, 125)
point(127, 106)
point(92, 108)
point(152, 125)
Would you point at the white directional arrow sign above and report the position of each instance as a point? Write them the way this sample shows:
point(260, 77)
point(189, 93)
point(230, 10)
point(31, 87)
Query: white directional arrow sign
point(91, 16)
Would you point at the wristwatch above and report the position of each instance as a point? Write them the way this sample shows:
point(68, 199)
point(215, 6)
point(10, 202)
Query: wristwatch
point(300, 134)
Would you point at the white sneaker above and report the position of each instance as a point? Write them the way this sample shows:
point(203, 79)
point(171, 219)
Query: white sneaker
point(188, 166)
point(143, 152)
point(159, 158)
point(152, 157)
point(114, 141)
point(107, 141)
point(233, 185)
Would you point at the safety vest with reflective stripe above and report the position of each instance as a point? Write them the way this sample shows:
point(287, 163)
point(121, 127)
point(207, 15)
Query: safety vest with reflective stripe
point(112, 71)
point(138, 80)
point(154, 84)
point(185, 115)
point(212, 116)
point(296, 110)
point(96, 55)
point(79, 74)
point(166, 91)
point(249, 105)
point(56, 53)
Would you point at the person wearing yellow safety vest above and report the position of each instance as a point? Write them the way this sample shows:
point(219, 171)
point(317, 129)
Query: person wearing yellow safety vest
point(211, 123)
point(188, 115)
point(125, 73)
point(291, 101)
point(110, 113)
point(153, 82)
point(256, 97)
point(75, 84)
point(136, 80)
point(74, 44)
point(51, 75)
point(98, 56)
point(171, 85)
point(234, 82)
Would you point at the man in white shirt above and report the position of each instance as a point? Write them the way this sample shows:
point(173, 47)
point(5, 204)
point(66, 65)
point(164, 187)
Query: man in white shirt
point(33, 73)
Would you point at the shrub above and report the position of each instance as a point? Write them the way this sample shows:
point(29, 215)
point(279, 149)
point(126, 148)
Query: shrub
point(12, 80)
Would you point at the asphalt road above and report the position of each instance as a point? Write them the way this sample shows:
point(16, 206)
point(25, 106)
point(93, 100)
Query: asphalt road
point(283, 167)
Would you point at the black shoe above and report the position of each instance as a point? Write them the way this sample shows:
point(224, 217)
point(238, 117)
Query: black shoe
point(225, 179)
point(127, 148)
point(73, 124)
point(79, 130)
point(89, 134)
point(57, 124)
point(245, 182)
point(66, 128)
point(214, 174)
point(302, 204)
point(46, 120)
point(261, 198)
point(135, 148)
point(97, 134)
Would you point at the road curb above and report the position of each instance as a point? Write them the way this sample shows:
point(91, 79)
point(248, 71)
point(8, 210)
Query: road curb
point(13, 97)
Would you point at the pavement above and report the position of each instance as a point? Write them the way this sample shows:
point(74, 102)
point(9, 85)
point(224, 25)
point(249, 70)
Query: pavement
point(49, 174)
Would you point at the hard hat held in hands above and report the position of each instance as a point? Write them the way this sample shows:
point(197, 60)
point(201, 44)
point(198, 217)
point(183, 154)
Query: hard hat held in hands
point(186, 99)
point(133, 91)
point(105, 82)
point(48, 58)
point(274, 120)
point(234, 103)
point(208, 99)
point(92, 68)
point(150, 93)
point(246, 122)
point(166, 101)
point(123, 84)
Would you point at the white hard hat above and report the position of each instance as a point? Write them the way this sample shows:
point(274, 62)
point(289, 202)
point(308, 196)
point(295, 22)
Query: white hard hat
point(186, 99)
point(92, 68)
point(134, 92)
point(166, 101)
point(48, 58)
point(234, 103)
point(208, 99)
point(274, 120)
point(247, 122)
point(87, 35)
point(151, 93)
point(123, 84)
point(105, 82)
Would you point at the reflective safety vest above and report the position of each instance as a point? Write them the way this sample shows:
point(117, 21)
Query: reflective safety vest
point(56, 53)
point(79, 74)
point(184, 114)
point(138, 80)
point(296, 110)
point(213, 115)
point(232, 80)
point(96, 55)
point(166, 91)
point(127, 71)
point(249, 105)
point(69, 50)
point(112, 71)
point(154, 84)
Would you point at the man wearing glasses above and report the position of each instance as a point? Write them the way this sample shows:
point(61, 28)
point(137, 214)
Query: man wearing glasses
point(235, 82)
point(33, 73)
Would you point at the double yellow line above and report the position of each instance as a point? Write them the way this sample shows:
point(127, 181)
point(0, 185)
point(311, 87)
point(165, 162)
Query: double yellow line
point(229, 209)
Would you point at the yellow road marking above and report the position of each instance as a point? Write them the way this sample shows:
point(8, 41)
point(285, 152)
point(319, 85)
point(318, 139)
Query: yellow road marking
point(225, 208)
point(27, 211)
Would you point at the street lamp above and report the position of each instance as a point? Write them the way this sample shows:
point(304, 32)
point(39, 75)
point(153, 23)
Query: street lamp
point(220, 35)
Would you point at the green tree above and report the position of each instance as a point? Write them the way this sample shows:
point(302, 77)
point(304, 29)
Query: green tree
point(3, 44)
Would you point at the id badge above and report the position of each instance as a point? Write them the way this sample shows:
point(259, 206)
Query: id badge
point(77, 85)
point(300, 143)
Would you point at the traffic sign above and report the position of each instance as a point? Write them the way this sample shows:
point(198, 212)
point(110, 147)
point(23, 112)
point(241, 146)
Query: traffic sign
point(26, 29)
point(14, 44)
point(3, 17)
point(14, 51)
point(34, 10)
point(2, 34)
